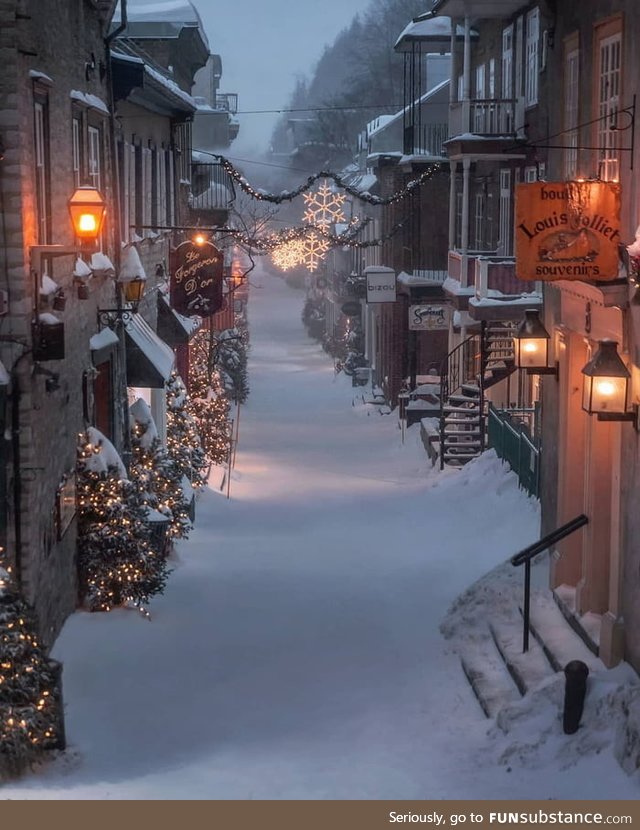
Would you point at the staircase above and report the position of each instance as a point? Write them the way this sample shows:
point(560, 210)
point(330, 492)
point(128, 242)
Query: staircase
point(475, 365)
point(500, 673)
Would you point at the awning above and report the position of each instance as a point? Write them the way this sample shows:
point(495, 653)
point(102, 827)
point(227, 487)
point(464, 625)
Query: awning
point(174, 328)
point(102, 345)
point(149, 359)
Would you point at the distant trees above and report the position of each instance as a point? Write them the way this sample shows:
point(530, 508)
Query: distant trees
point(360, 70)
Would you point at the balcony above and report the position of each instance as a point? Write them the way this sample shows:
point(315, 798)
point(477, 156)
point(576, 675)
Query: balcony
point(212, 190)
point(425, 140)
point(486, 285)
point(494, 119)
point(227, 101)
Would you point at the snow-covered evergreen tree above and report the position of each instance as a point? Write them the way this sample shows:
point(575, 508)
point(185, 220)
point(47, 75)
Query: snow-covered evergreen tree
point(210, 404)
point(232, 364)
point(183, 437)
point(29, 715)
point(157, 475)
point(116, 562)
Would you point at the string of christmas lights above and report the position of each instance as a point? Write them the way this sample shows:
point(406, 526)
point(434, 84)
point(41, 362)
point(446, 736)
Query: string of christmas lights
point(29, 716)
point(289, 195)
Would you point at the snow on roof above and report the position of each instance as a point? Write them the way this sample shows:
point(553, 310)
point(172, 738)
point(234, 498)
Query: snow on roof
point(105, 455)
point(189, 324)
point(435, 29)
point(171, 85)
point(386, 120)
point(161, 19)
point(4, 375)
point(378, 269)
point(102, 339)
point(40, 76)
point(216, 195)
point(89, 99)
point(156, 350)
point(498, 299)
point(454, 286)
point(131, 267)
point(422, 277)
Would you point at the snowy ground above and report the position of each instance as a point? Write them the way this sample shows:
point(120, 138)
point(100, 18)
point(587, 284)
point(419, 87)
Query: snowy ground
point(297, 652)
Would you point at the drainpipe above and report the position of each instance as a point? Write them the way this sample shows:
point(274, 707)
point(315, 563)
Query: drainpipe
point(466, 76)
point(118, 229)
point(17, 467)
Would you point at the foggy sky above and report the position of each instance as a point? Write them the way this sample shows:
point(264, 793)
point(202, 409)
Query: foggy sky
point(265, 45)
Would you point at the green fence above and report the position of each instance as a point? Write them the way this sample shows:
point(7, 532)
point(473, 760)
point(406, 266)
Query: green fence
point(513, 443)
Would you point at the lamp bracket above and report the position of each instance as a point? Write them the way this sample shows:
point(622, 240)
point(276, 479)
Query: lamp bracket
point(632, 415)
point(109, 317)
point(545, 370)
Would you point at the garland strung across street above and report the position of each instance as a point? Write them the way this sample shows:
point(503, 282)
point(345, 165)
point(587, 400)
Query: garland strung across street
point(290, 195)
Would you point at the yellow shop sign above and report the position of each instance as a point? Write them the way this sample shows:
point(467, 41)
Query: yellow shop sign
point(567, 230)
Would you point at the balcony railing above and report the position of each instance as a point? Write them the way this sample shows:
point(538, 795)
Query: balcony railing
point(227, 101)
point(485, 271)
point(211, 187)
point(486, 116)
point(425, 139)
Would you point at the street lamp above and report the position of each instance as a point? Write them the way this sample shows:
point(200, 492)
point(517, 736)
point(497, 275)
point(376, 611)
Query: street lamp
point(606, 385)
point(87, 212)
point(531, 345)
point(87, 209)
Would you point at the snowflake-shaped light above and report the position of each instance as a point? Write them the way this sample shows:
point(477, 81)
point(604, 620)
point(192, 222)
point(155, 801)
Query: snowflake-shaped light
point(288, 254)
point(324, 206)
point(314, 251)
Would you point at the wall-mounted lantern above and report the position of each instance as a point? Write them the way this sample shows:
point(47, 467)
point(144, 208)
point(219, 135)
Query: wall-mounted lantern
point(606, 385)
point(531, 345)
point(87, 209)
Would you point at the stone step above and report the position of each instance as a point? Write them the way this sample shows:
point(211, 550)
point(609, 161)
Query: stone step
point(488, 677)
point(461, 399)
point(527, 669)
point(559, 641)
point(472, 421)
point(460, 456)
point(450, 442)
point(461, 410)
point(470, 389)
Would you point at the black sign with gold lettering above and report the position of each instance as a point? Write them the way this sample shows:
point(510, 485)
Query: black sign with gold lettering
point(196, 279)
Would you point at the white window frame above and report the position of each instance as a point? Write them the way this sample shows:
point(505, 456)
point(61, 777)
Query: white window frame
point(571, 111)
point(41, 172)
point(77, 156)
point(519, 57)
point(94, 136)
point(507, 63)
point(532, 47)
point(506, 214)
point(480, 209)
point(608, 89)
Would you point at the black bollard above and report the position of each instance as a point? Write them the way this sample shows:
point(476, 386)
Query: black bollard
point(576, 673)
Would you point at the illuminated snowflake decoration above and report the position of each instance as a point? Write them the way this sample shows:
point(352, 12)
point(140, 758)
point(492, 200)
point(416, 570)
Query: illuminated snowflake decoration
point(314, 251)
point(288, 254)
point(324, 206)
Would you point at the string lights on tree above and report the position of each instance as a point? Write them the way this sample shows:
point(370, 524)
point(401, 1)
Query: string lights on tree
point(117, 564)
point(29, 716)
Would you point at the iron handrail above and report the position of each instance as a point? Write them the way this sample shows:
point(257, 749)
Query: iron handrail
point(452, 376)
point(525, 556)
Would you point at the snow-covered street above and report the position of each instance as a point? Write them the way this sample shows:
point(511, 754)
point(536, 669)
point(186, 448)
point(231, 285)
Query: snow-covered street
point(296, 652)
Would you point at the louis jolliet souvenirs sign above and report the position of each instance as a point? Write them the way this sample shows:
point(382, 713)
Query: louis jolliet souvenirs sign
point(567, 230)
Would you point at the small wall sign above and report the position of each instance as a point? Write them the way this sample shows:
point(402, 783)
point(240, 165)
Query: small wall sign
point(429, 317)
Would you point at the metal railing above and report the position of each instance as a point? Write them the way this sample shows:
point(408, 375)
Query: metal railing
point(511, 438)
point(461, 365)
point(524, 558)
point(425, 139)
point(211, 187)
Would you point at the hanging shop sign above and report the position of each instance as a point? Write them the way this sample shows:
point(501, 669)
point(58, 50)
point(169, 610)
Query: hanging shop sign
point(381, 284)
point(567, 230)
point(196, 279)
point(429, 317)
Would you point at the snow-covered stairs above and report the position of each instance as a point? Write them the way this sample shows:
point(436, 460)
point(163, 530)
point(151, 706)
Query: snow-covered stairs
point(497, 669)
point(462, 426)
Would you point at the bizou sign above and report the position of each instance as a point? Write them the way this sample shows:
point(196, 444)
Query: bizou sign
point(567, 230)
point(381, 284)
